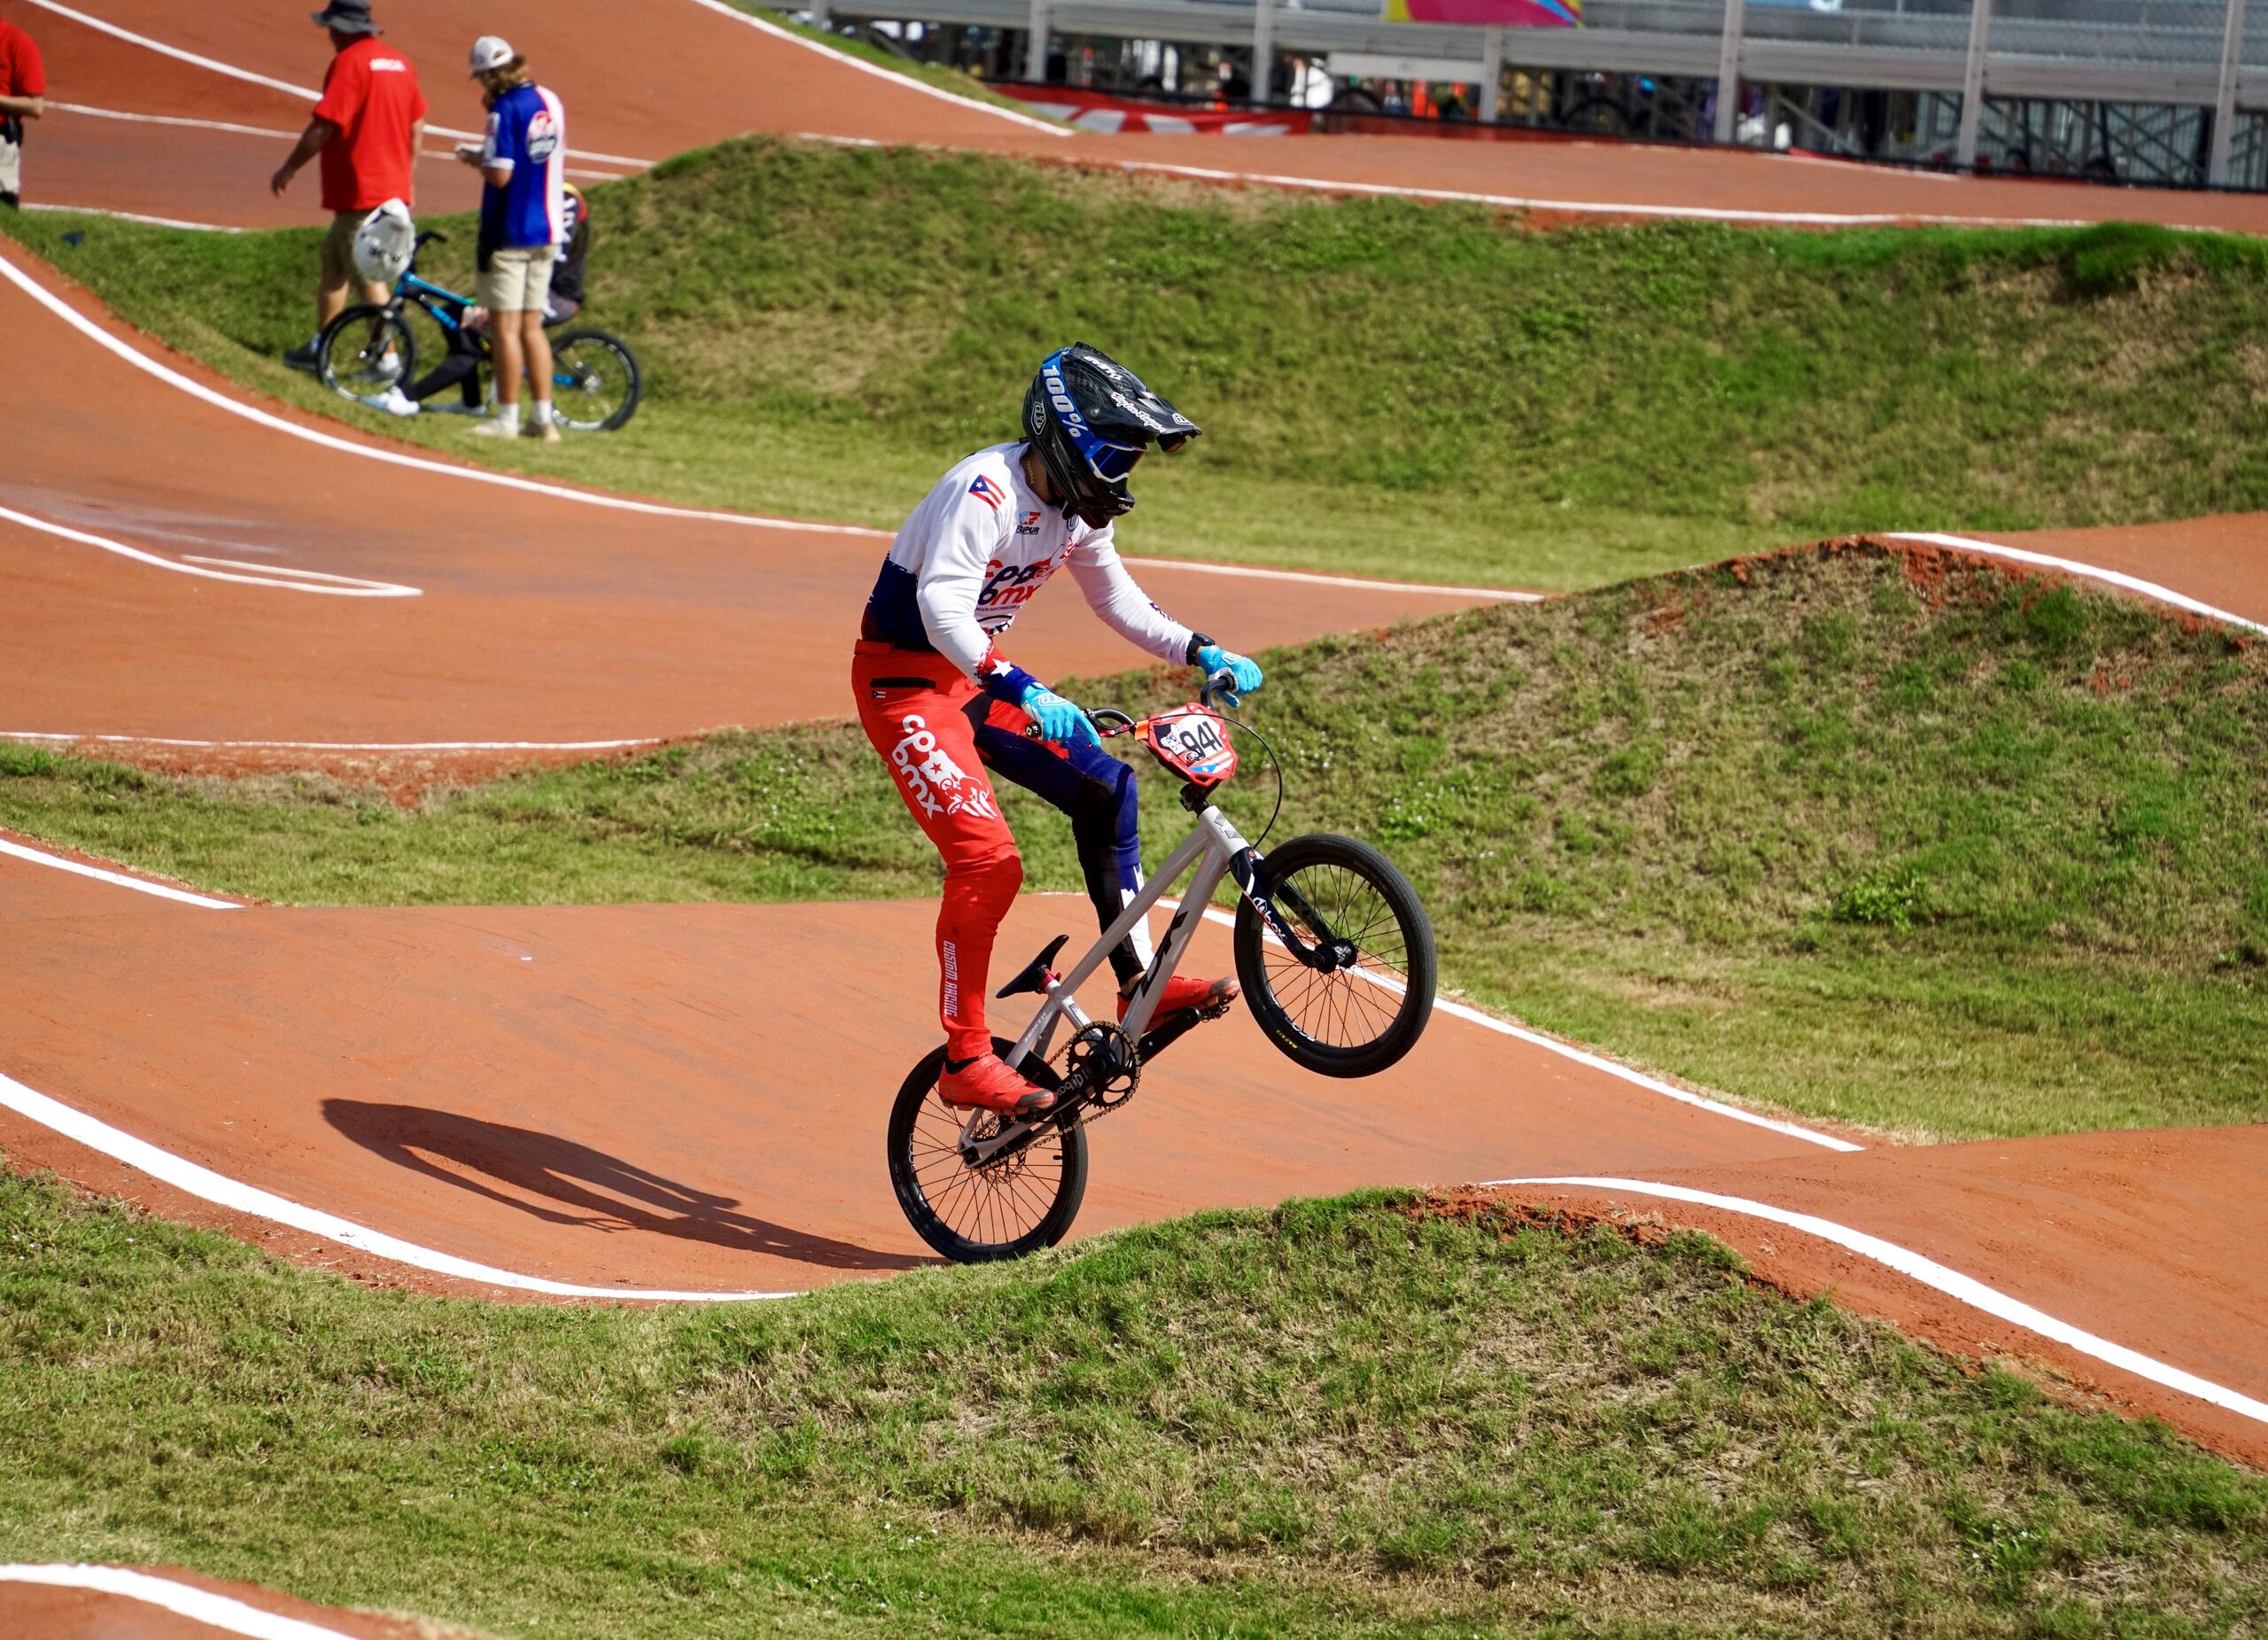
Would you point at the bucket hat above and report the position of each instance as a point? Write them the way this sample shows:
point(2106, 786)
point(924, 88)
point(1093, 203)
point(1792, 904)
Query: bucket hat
point(349, 17)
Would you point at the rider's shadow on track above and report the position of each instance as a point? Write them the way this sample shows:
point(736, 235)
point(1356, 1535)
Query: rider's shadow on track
point(601, 1192)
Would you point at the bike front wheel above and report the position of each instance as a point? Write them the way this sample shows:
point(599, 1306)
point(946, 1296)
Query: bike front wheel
point(978, 1213)
point(1361, 1000)
point(595, 383)
point(365, 351)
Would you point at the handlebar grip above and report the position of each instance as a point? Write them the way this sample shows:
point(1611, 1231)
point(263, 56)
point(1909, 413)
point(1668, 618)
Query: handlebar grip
point(1221, 683)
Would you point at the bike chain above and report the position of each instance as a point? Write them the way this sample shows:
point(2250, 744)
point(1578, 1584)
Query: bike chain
point(1106, 1064)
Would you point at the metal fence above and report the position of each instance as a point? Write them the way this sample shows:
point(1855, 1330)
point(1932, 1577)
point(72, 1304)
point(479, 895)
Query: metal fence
point(2157, 90)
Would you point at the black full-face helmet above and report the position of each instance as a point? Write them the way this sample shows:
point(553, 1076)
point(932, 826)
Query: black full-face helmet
point(1090, 419)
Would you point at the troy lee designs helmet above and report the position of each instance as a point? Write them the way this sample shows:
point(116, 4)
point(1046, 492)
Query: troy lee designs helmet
point(1090, 419)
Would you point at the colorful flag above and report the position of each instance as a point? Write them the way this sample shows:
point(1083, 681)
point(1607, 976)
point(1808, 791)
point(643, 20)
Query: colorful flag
point(1488, 13)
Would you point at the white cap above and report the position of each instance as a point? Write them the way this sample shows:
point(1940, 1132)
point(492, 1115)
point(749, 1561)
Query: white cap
point(491, 51)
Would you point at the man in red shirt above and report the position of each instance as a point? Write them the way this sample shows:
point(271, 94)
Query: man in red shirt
point(23, 92)
point(368, 127)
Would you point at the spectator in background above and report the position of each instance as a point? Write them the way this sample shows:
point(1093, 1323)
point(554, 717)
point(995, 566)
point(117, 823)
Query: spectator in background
point(523, 224)
point(23, 93)
point(459, 367)
point(368, 127)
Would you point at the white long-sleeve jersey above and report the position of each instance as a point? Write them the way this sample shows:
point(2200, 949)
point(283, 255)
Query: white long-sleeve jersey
point(977, 549)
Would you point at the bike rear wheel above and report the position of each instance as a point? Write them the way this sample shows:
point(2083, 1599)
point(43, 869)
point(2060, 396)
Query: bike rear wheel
point(1344, 1021)
point(1003, 1209)
point(365, 351)
point(596, 382)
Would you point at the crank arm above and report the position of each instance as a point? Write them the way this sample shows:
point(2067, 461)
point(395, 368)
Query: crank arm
point(1016, 1136)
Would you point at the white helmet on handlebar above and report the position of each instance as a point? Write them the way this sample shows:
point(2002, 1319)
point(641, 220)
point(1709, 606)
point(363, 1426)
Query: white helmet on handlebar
point(384, 242)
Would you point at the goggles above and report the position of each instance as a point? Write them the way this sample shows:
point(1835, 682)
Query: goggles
point(1111, 461)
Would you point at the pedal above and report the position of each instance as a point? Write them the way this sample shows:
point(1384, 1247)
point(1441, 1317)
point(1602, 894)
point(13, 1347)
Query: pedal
point(1036, 974)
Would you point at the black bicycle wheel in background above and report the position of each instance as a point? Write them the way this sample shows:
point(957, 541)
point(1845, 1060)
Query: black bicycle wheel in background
point(975, 1216)
point(365, 351)
point(1354, 1021)
point(594, 381)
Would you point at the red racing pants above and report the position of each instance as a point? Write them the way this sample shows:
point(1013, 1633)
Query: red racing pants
point(913, 707)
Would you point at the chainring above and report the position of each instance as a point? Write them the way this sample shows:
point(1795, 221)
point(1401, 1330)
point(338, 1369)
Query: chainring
point(1102, 1066)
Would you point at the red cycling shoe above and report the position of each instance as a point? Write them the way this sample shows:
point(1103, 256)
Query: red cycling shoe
point(1183, 992)
point(987, 1083)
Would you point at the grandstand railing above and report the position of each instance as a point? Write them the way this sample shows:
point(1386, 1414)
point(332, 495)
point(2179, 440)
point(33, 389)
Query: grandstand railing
point(2188, 69)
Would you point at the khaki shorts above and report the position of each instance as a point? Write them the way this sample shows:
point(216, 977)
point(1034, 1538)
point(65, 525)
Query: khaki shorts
point(11, 166)
point(338, 250)
point(518, 280)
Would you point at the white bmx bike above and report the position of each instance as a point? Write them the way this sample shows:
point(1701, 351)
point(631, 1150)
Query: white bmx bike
point(1333, 951)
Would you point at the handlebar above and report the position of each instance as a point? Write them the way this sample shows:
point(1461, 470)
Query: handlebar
point(1110, 722)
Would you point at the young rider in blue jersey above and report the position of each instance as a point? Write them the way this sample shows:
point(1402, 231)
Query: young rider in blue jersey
point(941, 704)
point(523, 224)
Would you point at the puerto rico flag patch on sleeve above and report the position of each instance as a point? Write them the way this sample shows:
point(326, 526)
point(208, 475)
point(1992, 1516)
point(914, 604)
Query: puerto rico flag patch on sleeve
point(988, 491)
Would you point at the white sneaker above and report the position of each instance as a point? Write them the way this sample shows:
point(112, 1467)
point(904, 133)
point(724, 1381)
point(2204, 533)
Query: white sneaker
point(490, 430)
point(389, 364)
point(393, 402)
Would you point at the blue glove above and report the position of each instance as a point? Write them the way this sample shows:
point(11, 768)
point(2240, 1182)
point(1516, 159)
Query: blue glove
point(1213, 657)
point(1056, 719)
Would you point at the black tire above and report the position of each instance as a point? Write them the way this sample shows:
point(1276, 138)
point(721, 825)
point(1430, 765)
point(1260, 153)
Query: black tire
point(1016, 1207)
point(352, 354)
point(1346, 1023)
point(596, 382)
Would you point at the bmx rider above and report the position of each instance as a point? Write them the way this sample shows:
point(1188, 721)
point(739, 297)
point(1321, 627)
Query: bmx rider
point(941, 704)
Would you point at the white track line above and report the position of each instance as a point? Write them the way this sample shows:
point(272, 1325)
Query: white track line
point(140, 885)
point(176, 120)
point(437, 155)
point(2071, 566)
point(1516, 202)
point(304, 93)
point(203, 1183)
point(1509, 202)
point(1604, 207)
point(134, 216)
point(163, 740)
point(1030, 121)
point(1965, 1289)
point(1636, 1078)
point(172, 377)
point(274, 576)
point(200, 1605)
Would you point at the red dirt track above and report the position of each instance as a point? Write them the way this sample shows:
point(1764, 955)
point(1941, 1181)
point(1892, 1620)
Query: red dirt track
point(594, 1094)
point(541, 618)
point(691, 1096)
point(39, 1613)
point(686, 77)
point(2132, 1236)
point(2221, 560)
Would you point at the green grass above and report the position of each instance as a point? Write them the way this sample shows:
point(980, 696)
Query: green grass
point(1424, 390)
point(1339, 1417)
point(1937, 851)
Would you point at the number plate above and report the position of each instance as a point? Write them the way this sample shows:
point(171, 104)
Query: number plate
point(1193, 743)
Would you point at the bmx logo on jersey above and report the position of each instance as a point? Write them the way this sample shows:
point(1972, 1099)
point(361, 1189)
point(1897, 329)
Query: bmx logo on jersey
point(936, 783)
point(1008, 587)
point(543, 134)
